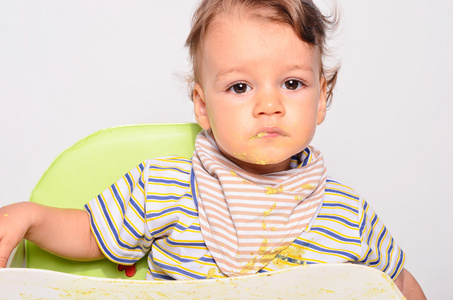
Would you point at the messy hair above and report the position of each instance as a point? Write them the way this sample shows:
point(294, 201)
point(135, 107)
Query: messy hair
point(302, 15)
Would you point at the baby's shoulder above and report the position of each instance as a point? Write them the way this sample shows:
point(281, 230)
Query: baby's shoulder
point(167, 172)
point(169, 182)
point(339, 196)
point(169, 164)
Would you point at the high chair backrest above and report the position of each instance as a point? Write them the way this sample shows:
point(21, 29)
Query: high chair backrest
point(89, 167)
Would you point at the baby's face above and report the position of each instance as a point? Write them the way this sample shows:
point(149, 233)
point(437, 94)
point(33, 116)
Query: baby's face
point(260, 92)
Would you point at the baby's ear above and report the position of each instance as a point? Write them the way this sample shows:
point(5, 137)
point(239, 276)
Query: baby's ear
point(199, 103)
point(322, 103)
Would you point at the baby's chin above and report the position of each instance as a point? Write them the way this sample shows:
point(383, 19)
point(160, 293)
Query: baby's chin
point(260, 164)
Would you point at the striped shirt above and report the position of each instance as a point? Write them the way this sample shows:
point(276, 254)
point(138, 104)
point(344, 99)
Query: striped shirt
point(153, 210)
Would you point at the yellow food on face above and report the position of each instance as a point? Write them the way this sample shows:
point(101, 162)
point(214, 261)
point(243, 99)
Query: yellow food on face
point(259, 135)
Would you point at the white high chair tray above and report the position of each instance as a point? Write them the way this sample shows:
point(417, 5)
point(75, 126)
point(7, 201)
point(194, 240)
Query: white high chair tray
point(322, 281)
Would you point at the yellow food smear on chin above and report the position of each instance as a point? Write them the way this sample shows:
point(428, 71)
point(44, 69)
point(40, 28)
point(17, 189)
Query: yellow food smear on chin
point(241, 156)
point(252, 158)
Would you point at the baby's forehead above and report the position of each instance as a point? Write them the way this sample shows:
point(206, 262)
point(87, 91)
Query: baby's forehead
point(241, 43)
point(224, 22)
point(263, 16)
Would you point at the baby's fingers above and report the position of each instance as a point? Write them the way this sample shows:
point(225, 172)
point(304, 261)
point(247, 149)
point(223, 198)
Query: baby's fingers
point(6, 247)
point(13, 225)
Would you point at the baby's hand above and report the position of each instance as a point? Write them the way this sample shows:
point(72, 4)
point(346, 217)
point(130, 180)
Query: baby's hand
point(15, 220)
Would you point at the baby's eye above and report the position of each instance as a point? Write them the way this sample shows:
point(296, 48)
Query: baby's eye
point(239, 88)
point(292, 84)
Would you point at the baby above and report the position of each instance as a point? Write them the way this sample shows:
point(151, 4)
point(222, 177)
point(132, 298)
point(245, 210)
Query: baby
point(255, 196)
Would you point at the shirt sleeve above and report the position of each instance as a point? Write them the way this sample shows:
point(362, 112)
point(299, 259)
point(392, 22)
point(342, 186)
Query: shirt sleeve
point(379, 249)
point(118, 218)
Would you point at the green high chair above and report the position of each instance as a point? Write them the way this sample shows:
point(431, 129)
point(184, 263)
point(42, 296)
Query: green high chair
point(88, 168)
point(93, 164)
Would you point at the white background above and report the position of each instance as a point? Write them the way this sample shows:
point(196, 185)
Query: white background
point(70, 68)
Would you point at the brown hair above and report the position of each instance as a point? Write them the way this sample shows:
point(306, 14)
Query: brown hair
point(302, 15)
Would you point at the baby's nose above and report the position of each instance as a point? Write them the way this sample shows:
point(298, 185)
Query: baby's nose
point(269, 104)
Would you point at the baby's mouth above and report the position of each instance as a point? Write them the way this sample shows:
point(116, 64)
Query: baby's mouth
point(268, 132)
point(259, 135)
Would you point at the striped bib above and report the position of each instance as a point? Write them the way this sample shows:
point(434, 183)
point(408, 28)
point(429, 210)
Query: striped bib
point(247, 219)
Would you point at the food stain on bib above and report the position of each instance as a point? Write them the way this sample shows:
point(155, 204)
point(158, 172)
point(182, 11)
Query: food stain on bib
point(270, 190)
point(267, 212)
point(308, 186)
point(249, 266)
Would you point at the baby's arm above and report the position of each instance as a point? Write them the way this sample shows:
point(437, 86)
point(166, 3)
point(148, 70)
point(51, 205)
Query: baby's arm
point(63, 232)
point(409, 286)
point(376, 240)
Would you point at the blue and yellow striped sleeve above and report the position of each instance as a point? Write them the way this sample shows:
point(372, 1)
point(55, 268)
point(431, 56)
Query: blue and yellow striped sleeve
point(118, 217)
point(379, 249)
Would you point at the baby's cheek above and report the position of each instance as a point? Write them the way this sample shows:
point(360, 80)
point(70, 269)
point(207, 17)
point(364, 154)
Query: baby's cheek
point(230, 140)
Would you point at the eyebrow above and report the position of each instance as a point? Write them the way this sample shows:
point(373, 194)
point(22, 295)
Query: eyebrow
point(245, 69)
point(300, 67)
point(230, 70)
